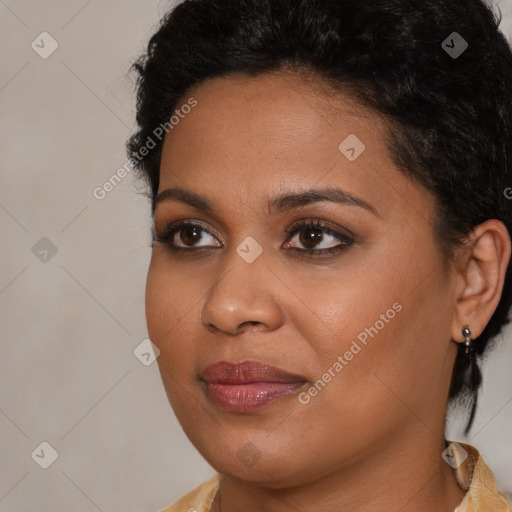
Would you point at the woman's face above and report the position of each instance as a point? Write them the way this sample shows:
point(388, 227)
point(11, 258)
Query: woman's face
point(359, 329)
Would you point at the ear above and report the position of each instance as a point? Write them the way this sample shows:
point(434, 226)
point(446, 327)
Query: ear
point(481, 268)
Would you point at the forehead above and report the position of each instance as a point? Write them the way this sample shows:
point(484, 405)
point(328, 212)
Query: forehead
point(253, 137)
point(284, 107)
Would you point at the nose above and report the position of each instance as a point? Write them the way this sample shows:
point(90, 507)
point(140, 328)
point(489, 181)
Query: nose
point(244, 298)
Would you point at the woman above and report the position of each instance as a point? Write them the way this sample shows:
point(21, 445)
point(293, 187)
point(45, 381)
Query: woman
point(331, 244)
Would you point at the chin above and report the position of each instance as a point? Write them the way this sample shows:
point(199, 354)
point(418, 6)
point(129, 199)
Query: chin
point(257, 461)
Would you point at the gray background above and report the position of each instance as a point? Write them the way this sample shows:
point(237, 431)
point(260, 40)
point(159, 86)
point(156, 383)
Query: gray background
point(70, 324)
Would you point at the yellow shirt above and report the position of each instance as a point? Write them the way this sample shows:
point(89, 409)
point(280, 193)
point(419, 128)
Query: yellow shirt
point(472, 475)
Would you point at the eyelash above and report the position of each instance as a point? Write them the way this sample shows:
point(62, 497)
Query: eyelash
point(316, 224)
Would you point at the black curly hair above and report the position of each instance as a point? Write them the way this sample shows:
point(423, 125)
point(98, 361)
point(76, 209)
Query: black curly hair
point(450, 113)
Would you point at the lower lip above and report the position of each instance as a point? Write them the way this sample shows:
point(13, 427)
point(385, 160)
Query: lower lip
point(246, 397)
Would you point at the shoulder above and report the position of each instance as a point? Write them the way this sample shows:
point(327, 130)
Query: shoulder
point(197, 500)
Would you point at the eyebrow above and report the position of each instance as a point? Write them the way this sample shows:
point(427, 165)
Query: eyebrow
point(277, 205)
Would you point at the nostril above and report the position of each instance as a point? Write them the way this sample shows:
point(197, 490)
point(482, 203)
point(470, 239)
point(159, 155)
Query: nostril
point(242, 326)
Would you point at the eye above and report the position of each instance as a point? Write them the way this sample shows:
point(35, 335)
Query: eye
point(190, 234)
point(312, 234)
point(186, 235)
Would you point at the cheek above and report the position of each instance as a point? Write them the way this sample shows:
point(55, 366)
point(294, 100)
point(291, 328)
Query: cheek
point(158, 303)
point(169, 293)
point(169, 305)
point(379, 321)
point(376, 388)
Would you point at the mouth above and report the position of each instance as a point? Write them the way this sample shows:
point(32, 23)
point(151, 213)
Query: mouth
point(247, 385)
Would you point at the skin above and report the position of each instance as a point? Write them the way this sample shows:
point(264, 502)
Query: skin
point(372, 438)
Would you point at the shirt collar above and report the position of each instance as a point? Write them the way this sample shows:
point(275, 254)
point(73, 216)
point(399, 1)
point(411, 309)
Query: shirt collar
point(474, 475)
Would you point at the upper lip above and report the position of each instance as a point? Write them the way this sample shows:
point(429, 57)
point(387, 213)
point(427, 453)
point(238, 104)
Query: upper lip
point(245, 372)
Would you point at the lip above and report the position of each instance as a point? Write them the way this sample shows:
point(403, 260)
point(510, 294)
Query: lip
point(248, 385)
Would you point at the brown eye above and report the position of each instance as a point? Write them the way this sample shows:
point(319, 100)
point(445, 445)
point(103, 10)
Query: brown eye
point(190, 235)
point(310, 237)
point(312, 234)
point(185, 235)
